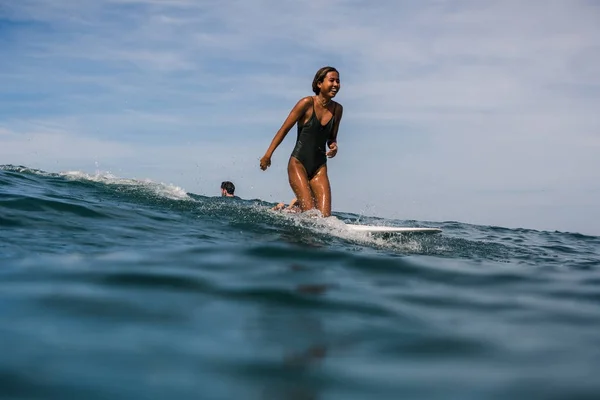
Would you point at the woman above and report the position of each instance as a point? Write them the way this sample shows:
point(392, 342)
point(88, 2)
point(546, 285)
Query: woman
point(318, 118)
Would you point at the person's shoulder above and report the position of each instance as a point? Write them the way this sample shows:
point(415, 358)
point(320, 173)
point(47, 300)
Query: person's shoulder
point(303, 104)
point(306, 101)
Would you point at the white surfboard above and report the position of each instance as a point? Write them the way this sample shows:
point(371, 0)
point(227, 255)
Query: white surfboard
point(390, 229)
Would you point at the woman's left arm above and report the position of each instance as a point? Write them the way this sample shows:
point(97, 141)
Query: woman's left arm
point(332, 142)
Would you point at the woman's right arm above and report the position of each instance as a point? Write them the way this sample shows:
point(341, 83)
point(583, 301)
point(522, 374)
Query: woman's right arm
point(297, 112)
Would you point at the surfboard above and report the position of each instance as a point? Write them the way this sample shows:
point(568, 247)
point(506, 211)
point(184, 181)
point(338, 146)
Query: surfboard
point(391, 229)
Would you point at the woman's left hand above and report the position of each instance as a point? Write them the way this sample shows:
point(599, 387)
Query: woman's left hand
point(332, 150)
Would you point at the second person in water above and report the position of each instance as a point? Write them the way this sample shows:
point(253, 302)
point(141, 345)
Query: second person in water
point(318, 118)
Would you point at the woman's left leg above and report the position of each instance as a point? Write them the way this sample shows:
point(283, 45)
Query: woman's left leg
point(322, 191)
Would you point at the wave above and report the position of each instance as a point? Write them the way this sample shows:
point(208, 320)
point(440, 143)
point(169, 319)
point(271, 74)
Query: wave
point(72, 205)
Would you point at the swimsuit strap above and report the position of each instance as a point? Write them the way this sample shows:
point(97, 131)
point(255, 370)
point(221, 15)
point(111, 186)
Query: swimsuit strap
point(332, 119)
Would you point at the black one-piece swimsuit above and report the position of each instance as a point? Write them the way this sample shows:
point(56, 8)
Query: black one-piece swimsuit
point(310, 144)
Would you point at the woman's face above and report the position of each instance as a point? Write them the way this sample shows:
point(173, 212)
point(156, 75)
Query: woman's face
point(330, 85)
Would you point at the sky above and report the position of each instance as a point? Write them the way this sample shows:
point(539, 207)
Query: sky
point(482, 112)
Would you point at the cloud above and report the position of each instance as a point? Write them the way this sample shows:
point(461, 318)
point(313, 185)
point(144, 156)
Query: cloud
point(465, 110)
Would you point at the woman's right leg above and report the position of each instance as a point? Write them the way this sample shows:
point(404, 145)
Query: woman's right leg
point(299, 183)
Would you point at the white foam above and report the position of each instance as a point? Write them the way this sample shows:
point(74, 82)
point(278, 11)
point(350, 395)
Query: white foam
point(26, 170)
point(335, 227)
point(161, 189)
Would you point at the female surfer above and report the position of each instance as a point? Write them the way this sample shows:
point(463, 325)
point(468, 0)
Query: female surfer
point(318, 118)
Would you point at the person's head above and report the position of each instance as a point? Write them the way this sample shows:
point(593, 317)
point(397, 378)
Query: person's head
point(326, 76)
point(227, 189)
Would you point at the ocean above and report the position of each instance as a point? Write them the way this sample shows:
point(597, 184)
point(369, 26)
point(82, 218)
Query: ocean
point(114, 288)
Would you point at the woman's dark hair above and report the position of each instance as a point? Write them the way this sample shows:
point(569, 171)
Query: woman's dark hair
point(320, 76)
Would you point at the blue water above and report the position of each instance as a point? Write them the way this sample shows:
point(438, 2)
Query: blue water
point(122, 289)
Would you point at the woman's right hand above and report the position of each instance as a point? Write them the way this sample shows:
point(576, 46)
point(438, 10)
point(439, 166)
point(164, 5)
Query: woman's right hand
point(265, 162)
